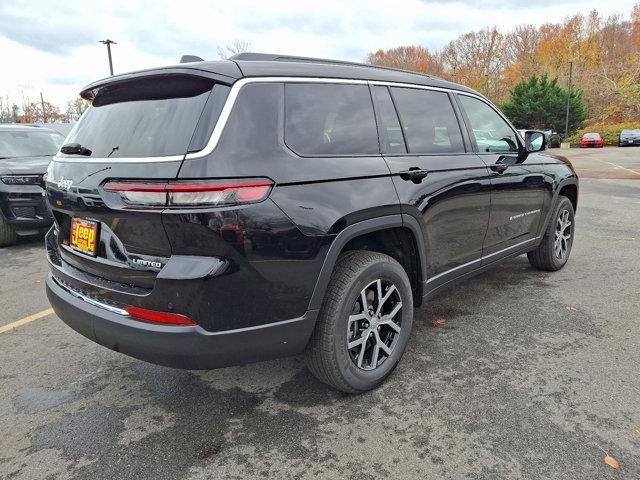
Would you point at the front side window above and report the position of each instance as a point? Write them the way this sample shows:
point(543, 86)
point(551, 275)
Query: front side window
point(428, 121)
point(329, 119)
point(146, 117)
point(491, 132)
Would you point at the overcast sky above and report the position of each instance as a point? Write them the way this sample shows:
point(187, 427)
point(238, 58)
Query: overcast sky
point(55, 49)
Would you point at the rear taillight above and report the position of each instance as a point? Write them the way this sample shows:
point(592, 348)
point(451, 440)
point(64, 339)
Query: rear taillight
point(158, 317)
point(200, 193)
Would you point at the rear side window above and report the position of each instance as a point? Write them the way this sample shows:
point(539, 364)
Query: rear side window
point(329, 119)
point(148, 117)
point(428, 121)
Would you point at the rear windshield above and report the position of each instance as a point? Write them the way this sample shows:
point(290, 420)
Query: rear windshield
point(591, 135)
point(20, 143)
point(631, 132)
point(149, 117)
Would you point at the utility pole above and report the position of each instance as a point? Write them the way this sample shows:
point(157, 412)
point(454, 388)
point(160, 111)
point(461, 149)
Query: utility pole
point(44, 113)
point(108, 43)
point(566, 122)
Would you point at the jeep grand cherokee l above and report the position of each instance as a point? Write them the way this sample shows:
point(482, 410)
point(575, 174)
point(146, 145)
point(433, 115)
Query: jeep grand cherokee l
point(25, 153)
point(218, 213)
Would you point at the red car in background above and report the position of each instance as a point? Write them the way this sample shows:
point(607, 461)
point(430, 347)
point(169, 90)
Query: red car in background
point(591, 140)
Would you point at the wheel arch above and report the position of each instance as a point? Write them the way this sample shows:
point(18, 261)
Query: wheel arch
point(568, 184)
point(382, 234)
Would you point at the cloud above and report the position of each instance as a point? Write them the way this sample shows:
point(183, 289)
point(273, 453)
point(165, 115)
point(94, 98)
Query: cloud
point(53, 46)
point(58, 33)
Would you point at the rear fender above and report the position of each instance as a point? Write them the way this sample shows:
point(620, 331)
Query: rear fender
point(356, 230)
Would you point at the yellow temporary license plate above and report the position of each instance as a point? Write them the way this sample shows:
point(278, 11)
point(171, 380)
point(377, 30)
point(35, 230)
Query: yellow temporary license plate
point(84, 235)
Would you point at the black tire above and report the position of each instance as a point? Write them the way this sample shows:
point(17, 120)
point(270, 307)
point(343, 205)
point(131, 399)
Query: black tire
point(327, 353)
point(546, 256)
point(8, 235)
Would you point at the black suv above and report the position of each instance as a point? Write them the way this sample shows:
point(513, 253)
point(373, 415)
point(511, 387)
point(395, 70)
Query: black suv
point(25, 153)
point(217, 213)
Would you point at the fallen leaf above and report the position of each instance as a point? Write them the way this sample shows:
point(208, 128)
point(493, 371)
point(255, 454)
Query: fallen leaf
point(540, 278)
point(638, 431)
point(572, 308)
point(437, 322)
point(612, 462)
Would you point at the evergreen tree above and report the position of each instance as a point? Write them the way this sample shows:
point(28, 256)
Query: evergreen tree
point(540, 103)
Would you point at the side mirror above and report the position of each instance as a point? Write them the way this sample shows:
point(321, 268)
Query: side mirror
point(535, 141)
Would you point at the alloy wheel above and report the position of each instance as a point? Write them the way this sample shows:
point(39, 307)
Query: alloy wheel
point(374, 325)
point(562, 242)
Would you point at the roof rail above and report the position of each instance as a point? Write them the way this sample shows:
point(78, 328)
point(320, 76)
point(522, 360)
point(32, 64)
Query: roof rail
point(269, 57)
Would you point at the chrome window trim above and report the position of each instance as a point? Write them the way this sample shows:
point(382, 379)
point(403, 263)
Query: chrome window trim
point(233, 95)
point(235, 90)
point(171, 158)
point(231, 100)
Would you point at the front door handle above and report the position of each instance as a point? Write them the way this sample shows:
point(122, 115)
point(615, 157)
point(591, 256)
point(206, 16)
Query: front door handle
point(499, 167)
point(504, 162)
point(414, 174)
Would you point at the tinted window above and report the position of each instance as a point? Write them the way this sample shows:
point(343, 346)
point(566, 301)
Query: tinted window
point(491, 132)
point(329, 119)
point(428, 121)
point(146, 117)
point(21, 143)
point(593, 136)
point(389, 131)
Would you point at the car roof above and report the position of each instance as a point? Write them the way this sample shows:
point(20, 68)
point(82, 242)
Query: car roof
point(247, 65)
point(17, 127)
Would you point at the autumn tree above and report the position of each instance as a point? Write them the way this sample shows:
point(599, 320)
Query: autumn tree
point(605, 53)
point(412, 57)
point(35, 113)
point(477, 59)
point(539, 102)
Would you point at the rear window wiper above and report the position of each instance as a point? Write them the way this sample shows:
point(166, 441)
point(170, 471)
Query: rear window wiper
point(75, 149)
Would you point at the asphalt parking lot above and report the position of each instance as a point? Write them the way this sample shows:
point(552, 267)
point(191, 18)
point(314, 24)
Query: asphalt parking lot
point(528, 375)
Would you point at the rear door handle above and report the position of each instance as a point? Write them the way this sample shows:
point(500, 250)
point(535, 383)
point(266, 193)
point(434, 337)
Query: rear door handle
point(414, 174)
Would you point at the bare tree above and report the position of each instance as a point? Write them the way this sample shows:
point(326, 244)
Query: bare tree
point(75, 108)
point(233, 48)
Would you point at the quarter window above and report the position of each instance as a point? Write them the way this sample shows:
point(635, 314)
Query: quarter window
point(391, 138)
point(491, 132)
point(428, 121)
point(330, 119)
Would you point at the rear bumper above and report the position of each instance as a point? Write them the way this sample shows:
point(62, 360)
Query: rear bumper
point(189, 347)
